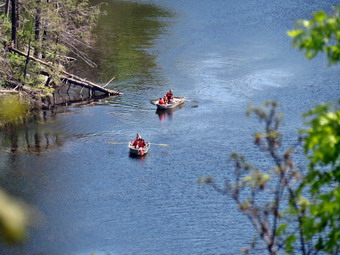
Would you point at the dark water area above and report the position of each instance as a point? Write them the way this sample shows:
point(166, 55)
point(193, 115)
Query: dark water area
point(222, 55)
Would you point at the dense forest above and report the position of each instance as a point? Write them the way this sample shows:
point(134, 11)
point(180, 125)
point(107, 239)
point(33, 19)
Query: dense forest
point(38, 38)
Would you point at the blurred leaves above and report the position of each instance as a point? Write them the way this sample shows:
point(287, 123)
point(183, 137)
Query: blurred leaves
point(14, 218)
point(322, 146)
point(323, 135)
point(320, 34)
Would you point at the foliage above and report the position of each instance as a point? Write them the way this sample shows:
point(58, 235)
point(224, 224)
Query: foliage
point(322, 145)
point(322, 138)
point(49, 30)
point(301, 212)
point(320, 34)
point(65, 27)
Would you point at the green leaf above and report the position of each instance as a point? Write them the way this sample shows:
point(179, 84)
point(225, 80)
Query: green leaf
point(295, 32)
point(289, 248)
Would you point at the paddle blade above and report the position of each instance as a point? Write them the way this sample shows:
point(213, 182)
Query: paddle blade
point(160, 144)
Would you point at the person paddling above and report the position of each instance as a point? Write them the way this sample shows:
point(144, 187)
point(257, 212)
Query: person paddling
point(136, 141)
point(165, 99)
point(169, 96)
point(141, 143)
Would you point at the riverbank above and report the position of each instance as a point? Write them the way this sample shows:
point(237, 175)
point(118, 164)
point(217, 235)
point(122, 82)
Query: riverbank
point(71, 89)
point(33, 98)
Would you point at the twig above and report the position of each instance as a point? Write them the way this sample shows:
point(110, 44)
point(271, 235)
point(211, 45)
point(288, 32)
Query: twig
point(109, 82)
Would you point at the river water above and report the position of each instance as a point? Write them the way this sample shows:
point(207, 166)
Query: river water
point(222, 55)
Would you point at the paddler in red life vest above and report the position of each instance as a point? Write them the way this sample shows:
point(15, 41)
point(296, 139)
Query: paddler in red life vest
point(136, 141)
point(160, 101)
point(141, 143)
point(169, 95)
point(165, 99)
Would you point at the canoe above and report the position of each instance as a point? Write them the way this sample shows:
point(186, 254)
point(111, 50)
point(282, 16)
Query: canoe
point(176, 102)
point(139, 151)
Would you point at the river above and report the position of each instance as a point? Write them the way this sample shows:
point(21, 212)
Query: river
point(222, 55)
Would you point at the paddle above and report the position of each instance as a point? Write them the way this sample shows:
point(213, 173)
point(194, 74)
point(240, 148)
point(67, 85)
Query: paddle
point(160, 144)
point(190, 100)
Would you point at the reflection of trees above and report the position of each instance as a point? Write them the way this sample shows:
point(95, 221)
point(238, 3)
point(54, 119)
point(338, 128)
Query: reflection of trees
point(28, 136)
point(124, 35)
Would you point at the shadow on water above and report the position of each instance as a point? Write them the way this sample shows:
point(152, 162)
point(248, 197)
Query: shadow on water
point(138, 157)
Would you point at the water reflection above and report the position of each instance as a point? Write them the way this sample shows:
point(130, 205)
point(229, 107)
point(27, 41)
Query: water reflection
point(164, 115)
point(31, 135)
point(124, 37)
point(138, 157)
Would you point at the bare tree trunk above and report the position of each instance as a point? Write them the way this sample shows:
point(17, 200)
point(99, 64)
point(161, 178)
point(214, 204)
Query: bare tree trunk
point(7, 8)
point(37, 33)
point(27, 58)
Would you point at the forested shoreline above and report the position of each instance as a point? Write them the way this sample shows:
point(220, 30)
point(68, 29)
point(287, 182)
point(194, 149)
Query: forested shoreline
point(38, 39)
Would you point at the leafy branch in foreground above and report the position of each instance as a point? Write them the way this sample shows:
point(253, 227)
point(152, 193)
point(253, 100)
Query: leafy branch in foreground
point(320, 34)
point(262, 194)
point(291, 209)
point(322, 146)
point(322, 139)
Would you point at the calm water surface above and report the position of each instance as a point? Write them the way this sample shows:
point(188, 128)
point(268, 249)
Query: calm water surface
point(220, 54)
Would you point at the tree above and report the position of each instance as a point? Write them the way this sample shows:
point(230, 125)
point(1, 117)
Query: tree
point(264, 194)
point(14, 18)
point(53, 29)
point(322, 138)
point(322, 146)
point(302, 215)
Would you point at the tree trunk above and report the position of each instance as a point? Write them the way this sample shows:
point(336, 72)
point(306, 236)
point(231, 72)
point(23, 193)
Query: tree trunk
point(6, 8)
point(37, 33)
point(27, 58)
point(14, 22)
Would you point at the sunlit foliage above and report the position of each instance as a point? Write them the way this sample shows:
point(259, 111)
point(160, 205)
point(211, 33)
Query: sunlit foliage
point(320, 34)
point(322, 139)
point(322, 146)
point(48, 30)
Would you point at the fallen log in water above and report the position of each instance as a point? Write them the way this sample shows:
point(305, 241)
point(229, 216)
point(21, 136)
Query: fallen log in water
point(70, 78)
